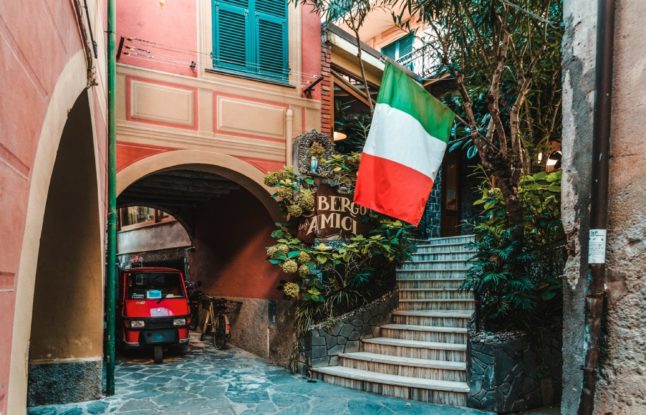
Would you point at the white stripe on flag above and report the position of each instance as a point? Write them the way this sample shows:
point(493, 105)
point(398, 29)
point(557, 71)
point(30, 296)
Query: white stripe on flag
point(397, 136)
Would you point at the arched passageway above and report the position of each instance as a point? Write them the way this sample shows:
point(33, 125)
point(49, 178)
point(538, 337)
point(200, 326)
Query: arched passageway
point(66, 340)
point(229, 218)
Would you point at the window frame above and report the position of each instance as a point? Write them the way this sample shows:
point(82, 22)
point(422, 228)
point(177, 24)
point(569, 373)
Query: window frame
point(251, 69)
point(397, 43)
point(159, 217)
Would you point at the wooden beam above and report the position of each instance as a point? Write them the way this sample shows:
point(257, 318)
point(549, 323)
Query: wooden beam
point(185, 187)
point(350, 89)
point(151, 195)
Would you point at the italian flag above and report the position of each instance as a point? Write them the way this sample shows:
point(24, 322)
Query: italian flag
point(404, 149)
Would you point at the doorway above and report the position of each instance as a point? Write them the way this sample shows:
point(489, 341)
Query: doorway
point(450, 211)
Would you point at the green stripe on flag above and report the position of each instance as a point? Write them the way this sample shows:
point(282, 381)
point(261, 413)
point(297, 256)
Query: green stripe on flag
point(399, 91)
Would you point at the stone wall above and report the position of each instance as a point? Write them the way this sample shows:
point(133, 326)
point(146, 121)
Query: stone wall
point(622, 377)
point(63, 382)
point(325, 342)
point(429, 227)
point(578, 99)
point(510, 372)
point(263, 327)
point(622, 382)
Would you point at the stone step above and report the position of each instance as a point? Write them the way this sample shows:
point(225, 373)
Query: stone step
point(430, 283)
point(446, 240)
point(426, 390)
point(446, 248)
point(448, 265)
point(448, 274)
point(405, 366)
point(437, 334)
point(416, 349)
point(436, 318)
point(442, 256)
point(452, 265)
point(433, 293)
point(437, 304)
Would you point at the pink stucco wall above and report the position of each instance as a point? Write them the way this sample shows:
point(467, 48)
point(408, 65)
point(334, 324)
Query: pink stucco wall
point(231, 234)
point(168, 33)
point(33, 53)
point(311, 48)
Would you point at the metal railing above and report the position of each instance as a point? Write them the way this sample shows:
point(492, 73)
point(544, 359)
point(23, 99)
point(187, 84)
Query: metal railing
point(421, 61)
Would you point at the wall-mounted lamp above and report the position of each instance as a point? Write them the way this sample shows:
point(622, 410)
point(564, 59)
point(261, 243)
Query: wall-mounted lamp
point(338, 136)
point(553, 161)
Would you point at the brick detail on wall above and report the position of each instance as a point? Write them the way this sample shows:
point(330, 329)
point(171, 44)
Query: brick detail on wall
point(327, 98)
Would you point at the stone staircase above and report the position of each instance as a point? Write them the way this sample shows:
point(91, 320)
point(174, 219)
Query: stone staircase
point(421, 355)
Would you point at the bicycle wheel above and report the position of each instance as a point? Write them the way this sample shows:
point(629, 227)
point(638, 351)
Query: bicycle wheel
point(220, 335)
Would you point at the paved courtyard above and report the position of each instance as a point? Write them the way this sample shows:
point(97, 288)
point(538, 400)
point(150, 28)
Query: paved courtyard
point(232, 381)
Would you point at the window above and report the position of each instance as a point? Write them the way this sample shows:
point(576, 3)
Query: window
point(138, 216)
point(401, 47)
point(154, 285)
point(250, 37)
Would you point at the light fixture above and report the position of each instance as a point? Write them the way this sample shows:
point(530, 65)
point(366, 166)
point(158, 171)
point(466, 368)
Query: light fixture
point(338, 136)
point(161, 3)
point(553, 161)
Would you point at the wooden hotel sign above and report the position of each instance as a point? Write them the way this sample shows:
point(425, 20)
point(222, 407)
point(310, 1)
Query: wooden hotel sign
point(335, 216)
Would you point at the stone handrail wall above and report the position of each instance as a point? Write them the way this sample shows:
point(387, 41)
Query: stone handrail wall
point(322, 345)
point(510, 372)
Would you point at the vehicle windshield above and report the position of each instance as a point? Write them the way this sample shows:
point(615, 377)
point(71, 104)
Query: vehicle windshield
point(154, 286)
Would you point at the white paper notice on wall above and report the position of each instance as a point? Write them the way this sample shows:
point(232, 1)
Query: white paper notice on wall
point(597, 246)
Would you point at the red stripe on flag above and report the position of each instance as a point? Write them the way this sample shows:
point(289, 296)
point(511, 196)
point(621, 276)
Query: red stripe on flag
point(391, 188)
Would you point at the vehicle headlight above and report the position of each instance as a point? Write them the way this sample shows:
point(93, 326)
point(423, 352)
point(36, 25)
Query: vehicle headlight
point(137, 324)
point(179, 322)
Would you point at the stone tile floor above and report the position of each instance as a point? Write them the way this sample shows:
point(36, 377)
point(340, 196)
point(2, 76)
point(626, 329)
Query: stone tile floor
point(232, 381)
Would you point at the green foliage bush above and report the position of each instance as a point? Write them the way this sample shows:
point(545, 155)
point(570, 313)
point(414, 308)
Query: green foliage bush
point(327, 279)
point(519, 286)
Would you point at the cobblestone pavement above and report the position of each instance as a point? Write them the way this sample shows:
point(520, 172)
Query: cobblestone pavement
point(232, 381)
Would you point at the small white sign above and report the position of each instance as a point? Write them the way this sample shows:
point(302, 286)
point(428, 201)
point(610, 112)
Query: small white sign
point(597, 246)
point(160, 312)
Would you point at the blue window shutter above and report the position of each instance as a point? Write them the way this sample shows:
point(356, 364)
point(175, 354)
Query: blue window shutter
point(251, 36)
point(400, 47)
point(230, 35)
point(406, 44)
point(272, 46)
point(271, 20)
point(390, 50)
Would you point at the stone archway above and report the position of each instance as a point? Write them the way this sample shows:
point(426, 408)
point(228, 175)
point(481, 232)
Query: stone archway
point(66, 338)
point(67, 94)
point(223, 165)
point(229, 215)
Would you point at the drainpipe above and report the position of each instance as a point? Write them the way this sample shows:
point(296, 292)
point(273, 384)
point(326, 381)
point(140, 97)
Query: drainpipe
point(111, 279)
point(595, 298)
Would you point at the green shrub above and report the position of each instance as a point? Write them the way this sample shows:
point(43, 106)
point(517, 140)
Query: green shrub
point(519, 286)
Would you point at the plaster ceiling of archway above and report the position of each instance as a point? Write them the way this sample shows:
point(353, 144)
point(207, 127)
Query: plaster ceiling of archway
point(176, 189)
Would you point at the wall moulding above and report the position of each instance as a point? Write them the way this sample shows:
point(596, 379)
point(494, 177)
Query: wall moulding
point(230, 145)
point(161, 103)
point(224, 84)
point(232, 115)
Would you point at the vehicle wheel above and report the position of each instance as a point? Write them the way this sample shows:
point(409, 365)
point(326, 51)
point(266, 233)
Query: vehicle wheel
point(183, 349)
point(220, 335)
point(158, 354)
